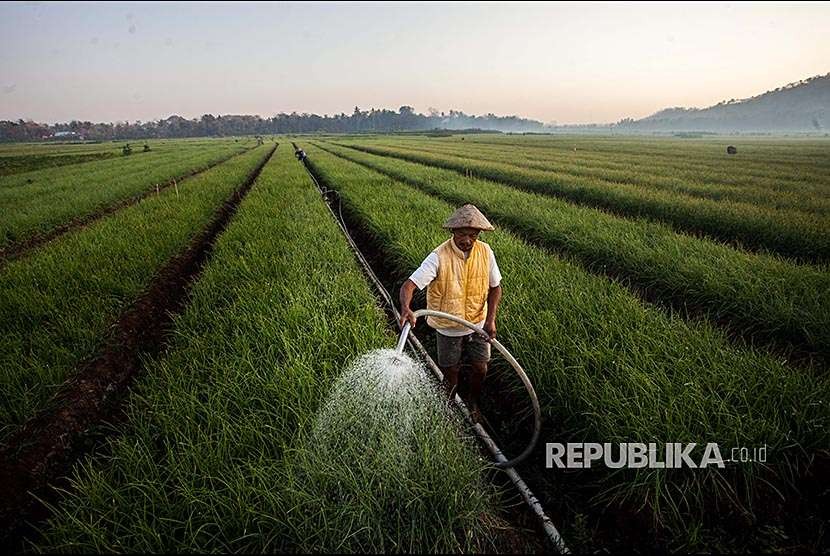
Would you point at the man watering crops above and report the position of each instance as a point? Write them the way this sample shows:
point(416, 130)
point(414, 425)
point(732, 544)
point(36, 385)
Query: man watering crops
point(462, 279)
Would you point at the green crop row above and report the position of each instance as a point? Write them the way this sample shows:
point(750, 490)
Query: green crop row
point(57, 304)
point(791, 235)
point(35, 180)
point(793, 194)
point(713, 166)
point(761, 296)
point(115, 146)
point(58, 149)
point(220, 451)
point(609, 369)
point(755, 157)
point(29, 160)
point(57, 195)
point(27, 163)
point(790, 187)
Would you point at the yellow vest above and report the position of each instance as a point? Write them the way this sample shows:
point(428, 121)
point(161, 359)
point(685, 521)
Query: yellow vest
point(461, 286)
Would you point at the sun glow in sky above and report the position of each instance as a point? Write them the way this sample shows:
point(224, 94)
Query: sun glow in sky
point(569, 63)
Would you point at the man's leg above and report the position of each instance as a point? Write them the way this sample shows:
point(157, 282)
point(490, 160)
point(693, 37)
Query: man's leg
point(479, 359)
point(451, 379)
point(449, 360)
point(479, 371)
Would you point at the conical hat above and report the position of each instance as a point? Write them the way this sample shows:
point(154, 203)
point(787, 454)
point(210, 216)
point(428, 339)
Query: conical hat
point(468, 216)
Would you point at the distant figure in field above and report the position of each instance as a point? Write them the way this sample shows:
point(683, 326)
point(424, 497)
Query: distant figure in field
point(300, 154)
point(731, 150)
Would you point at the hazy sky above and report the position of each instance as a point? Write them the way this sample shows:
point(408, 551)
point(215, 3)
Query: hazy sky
point(570, 63)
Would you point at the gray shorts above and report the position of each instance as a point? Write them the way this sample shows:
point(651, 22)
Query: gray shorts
point(472, 347)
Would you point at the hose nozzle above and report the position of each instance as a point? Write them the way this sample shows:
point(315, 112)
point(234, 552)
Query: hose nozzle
point(402, 339)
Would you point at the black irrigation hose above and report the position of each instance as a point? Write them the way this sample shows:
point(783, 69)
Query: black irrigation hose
point(502, 462)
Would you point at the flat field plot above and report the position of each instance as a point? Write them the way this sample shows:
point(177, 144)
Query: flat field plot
point(56, 305)
point(217, 455)
point(760, 298)
point(609, 368)
point(36, 202)
point(783, 214)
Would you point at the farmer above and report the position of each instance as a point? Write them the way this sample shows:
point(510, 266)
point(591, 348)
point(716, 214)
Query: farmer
point(463, 280)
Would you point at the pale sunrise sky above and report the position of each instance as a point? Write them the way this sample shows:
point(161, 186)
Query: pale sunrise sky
point(569, 63)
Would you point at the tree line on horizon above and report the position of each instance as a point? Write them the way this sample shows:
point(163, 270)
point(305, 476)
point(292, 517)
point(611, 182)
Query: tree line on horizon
point(360, 121)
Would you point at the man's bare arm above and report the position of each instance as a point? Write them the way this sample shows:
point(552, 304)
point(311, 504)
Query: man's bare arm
point(405, 298)
point(493, 300)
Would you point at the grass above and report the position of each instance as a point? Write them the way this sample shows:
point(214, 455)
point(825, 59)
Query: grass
point(609, 369)
point(793, 235)
point(784, 163)
point(219, 453)
point(57, 304)
point(40, 200)
point(757, 156)
point(761, 297)
point(27, 163)
point(788, 188)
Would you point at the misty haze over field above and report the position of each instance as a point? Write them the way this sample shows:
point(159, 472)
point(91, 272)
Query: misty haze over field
point(802, 107)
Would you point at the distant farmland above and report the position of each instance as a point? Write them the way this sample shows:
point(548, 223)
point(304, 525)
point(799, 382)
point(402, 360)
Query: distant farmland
point(172, 321)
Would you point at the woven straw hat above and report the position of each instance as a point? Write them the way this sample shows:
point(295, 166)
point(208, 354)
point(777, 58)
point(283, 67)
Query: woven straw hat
point(468, 216)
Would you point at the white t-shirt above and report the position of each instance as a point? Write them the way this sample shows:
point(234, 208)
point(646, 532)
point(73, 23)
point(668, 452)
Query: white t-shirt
point(427, 272)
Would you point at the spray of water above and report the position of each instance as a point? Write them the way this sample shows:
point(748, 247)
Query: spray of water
point(380, 406)
point(385, 467)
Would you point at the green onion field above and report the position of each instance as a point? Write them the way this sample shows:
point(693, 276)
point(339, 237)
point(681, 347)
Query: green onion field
point(655, 289)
